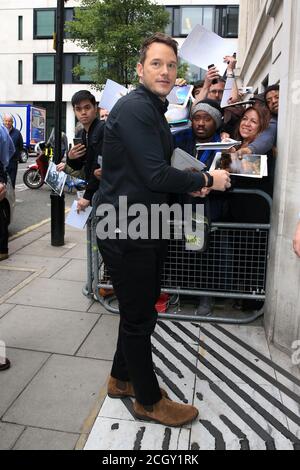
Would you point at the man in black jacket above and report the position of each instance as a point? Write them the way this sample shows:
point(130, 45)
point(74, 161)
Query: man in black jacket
point(4, 362)
point(17, 139)
point(137, 149)
point(85, 155)
point(3, 221)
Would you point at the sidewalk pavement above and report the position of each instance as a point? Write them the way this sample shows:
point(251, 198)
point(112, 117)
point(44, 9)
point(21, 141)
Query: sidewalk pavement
point(61, 344)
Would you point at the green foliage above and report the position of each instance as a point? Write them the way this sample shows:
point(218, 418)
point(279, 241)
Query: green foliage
point(113, 30)
point(182, 70)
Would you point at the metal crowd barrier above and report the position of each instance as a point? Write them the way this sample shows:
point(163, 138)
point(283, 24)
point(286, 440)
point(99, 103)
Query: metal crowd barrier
point(234, 266)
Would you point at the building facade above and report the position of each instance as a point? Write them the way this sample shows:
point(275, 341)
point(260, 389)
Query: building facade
point(27, 55)
point(269, 41)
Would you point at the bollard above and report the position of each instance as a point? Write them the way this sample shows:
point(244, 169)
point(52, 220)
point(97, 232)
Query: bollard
point(57, 219)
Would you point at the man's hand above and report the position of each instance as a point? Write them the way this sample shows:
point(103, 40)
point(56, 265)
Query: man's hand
point(296, 241)
point(77, 151)
point(180, 82)
point(82, 204)
point(2, 191)
point(225, 136)
point(61, 167)
point(203, 193)
point(222, 180)
point(212, 74)
point(231, 63)
point(98, 174)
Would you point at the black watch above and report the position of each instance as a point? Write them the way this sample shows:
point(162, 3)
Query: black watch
point(210, 180)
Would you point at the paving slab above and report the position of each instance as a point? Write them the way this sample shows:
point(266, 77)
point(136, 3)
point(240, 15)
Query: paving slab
point(53, 293)
point(74, 270)
point(101, 342)
point(135, 436)
point(235, 412)
point(43, 248)
point(290, 379)
point(70, 237)
point(24, 366)
point(45, 439)
point(78, 252)
point(23, 241)
point(50, 265)
point(47, 330)
point(45, 228)
point(98, 308)
point(4, 308)
point(9, 433)
point(62, 394)
point(11, 278)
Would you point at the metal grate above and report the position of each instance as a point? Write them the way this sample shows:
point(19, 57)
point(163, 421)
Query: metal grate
point(235, 262)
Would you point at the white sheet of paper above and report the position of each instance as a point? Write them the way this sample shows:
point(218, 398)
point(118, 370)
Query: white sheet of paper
point(78, 220)
point(227, 92)
point(203, 48)
point(225, 145)
point(111, 94)
point(182, 160)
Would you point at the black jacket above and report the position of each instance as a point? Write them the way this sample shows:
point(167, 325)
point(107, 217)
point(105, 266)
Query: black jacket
point(93, 141)
point(3, 177)
point(17, 139)
point(137, 150)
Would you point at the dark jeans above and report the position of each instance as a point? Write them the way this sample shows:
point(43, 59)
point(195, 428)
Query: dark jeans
point(135, 269)
point(12, 170)
point(3, 229)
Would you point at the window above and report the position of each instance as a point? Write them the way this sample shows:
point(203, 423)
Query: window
point(222, 20)
point(43, 68)
point(191, 16)
point(88, 62)
point(20, 28)
point(227, 22)
point(20, 72)
point(69, 16)
point(44, 23)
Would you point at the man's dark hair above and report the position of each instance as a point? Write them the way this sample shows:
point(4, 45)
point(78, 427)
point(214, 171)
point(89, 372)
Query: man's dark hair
point(219, 80)
point(157, 38)
point(198, 85)
point(83, 95)
point(271, 88)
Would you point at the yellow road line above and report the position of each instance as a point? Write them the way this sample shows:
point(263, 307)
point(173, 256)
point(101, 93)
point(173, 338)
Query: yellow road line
point(28, 229)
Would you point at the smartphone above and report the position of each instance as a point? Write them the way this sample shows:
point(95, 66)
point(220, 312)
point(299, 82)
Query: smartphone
point(77, 141)
point(100, 161)
point(215, 81)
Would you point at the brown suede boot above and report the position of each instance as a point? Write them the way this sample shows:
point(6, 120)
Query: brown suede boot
point(166, 412)
point(119, 389)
